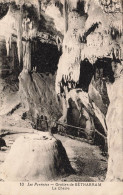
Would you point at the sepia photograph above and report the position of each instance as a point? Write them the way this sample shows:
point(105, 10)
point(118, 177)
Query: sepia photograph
point(61, 97)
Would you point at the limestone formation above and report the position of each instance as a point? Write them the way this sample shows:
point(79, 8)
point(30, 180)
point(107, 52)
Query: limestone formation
point(114, 121)
point(36, 157)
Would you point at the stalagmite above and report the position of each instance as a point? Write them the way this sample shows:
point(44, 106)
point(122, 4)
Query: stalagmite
point(37, 157)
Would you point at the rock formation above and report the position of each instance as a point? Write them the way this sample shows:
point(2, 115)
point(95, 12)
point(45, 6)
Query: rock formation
point(115, 127)
point(36, 157)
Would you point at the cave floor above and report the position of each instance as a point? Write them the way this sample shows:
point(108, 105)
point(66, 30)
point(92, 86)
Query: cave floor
point(86, 159)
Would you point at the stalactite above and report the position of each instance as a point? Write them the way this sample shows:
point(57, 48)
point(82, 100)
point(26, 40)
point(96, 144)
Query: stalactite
point(39, 8)
point(27, 55)
point(6, 30)
point(65, 9)
point(19, 35)
point(7, 45)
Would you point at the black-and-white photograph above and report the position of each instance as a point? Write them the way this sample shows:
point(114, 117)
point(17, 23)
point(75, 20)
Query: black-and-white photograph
point(61, 91)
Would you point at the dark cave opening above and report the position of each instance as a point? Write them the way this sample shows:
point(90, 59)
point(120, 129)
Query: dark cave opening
point(45, 57)
point(101, 69)
point(9, 64)
point(80, 7)
point(102, 74)
point(105, 69)
point(86, 74)
point(3, 9)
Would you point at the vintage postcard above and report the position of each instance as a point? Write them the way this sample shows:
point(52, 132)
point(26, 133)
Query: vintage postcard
point(61, 97)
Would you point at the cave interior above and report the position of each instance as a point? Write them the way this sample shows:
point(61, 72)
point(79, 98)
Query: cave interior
point(56, 67)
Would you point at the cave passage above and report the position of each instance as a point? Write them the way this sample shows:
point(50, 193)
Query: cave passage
point(8, 64)
point(45, 57)
point(104, 69)
point(86, 74)
point(100, 69)
point(3, 9)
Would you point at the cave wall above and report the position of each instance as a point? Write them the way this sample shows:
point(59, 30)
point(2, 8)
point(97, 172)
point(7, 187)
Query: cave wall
point(37, 93)
point(4, 68)
point(115, 127)
point(9, 71)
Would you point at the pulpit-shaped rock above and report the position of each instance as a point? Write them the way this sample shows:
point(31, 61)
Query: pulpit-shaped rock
point(36, 157)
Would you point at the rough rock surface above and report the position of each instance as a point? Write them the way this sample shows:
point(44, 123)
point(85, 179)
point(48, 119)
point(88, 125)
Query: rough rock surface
point(114, 120)
point(40, 97)
point(80, 111)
